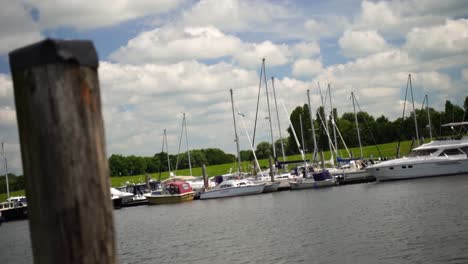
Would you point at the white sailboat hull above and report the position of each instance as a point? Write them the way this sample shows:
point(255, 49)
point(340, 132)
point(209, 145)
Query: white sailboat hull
point(231, 192)
point(308, 184)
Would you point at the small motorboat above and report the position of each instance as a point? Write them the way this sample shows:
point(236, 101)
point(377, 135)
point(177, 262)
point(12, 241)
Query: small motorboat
point(171, 192)
point(15, 208)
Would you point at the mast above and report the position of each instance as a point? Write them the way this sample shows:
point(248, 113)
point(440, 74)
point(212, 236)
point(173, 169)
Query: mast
point(160, 159)
point(357, 124)
point(324, 120)
point(277, 117)
point(186, 142)
point(294, 134)
point(167, 150)
point(258, 99)
point(248, 138)
point(269, 111)
point(235, 134)
point(414, 111)
point(6, 171)
point(302, 133)
point(314, 155)
point(180, 144)
point(428, 117)
point(333, 120)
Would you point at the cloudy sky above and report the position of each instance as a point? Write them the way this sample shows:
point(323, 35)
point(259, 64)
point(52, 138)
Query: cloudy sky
point(159, 59)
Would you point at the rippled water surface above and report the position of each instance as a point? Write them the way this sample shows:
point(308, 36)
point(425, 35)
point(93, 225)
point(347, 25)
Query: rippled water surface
point(412, 221)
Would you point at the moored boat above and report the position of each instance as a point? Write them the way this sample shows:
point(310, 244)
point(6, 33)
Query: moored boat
point(172, 192)
point(232, 188)
point(270, 186)
point(318, 180)
point(15, 208)
point(437, 158)
point(353, 171)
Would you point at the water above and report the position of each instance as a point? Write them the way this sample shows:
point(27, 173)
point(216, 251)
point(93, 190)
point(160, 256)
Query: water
point(412, 221)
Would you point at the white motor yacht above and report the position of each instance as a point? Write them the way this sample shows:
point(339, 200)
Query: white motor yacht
point(232, 188)
point(437, 158)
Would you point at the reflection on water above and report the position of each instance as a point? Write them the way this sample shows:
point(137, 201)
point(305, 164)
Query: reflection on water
point(412, 221)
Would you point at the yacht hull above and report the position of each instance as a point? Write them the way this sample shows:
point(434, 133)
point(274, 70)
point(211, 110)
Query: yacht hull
point(271, 187)
point(16, 213)
point(433, 168)
point(352, 176)
point(170, 198)
point(306, 184)
point(231, 192)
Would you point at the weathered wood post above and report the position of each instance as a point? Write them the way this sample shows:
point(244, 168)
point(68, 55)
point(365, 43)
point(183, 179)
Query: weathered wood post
point(205, 176)
point(61, 131)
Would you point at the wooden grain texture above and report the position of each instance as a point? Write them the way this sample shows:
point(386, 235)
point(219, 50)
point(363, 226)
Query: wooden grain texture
point(64, 161)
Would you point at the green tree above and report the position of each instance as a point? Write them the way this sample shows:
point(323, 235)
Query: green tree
point(246, 155)
point(263, 150)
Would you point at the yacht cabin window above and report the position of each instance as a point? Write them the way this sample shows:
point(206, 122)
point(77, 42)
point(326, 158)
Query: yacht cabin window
point(422, 152)
point(465, 149)
point(451, 152)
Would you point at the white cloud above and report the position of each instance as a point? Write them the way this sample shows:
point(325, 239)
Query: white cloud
point(306, 49)
point(326, 27)
point(8, 125)
point(396, 18)
point(234, 15)
point(169, 44)
point(386, 61)
point(432, 42)
point(91, 14)
point(306, 67)
point(7, 116)
point(145, 99)
point(464, 73)
point(6, 87)
point(253, 53)
point(17, 27)
point(361, 43)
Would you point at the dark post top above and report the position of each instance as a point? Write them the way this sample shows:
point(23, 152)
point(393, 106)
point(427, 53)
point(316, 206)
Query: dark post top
point(81, 52)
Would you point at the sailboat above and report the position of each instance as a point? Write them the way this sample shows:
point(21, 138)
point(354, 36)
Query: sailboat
point(196, 183)
point(310, 177)
point(15, 208)
point(282, 179)
point(172, 190)
point(233, 187)
point(352, 170)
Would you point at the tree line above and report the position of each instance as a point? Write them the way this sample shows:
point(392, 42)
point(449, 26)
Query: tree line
point(373, 130)
point(15, 182)
point(120, 165)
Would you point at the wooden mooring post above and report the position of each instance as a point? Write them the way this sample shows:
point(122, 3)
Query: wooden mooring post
point(61, 131)
point(205, 176)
